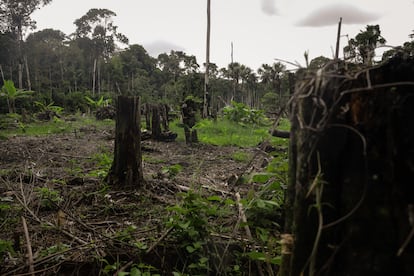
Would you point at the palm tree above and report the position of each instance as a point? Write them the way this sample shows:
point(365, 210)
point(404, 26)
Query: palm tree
point(271, 75)
point(234, 70)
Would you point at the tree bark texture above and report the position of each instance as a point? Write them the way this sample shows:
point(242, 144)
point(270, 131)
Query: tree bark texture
point(126, 168)
point(350, 199)
point(155, 122)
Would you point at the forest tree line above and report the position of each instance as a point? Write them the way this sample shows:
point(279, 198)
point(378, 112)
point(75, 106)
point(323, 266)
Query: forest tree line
point(97, 60)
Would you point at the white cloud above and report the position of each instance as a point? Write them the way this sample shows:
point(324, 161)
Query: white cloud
point(329, 15)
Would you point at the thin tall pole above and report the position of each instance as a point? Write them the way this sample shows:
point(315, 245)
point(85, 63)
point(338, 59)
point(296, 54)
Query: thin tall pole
point(338, 38)
point(206, 75)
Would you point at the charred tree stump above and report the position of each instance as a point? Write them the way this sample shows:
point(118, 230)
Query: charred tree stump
point(165, 120)
point(126, 168)
point(189, 111)
point(147, 112)
point(349, 206)
point(155, 123)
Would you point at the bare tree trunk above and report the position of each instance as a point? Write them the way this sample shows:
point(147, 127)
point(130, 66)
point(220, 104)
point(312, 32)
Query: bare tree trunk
point(50, 82)
point(126, 168)
point(2, 74)
point(29, 84)
point(338, 38)
point(20, 75)
point(94, 77)
point(206, 76)
point(155, 122)
point(99, 76)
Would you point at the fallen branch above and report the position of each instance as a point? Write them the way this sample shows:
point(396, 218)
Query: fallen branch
point(246, 227)
point(29, 246)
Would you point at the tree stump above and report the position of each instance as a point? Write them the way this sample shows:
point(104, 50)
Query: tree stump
point(189, 111)
point(126, 168)
point(350, 198)
point(155, 123)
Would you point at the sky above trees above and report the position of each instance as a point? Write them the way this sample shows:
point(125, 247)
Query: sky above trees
point(260, 30)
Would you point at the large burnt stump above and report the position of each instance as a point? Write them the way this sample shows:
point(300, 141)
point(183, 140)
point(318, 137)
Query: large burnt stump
point(155, 122)
point(126, 169)
point(350, 198)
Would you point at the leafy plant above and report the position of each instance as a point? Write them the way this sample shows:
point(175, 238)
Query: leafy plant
point(54, 249)
point(49, 198)
point(241, 156)
point(10, 92)
point(6, 246)
point(228, 133)
point(48, 111)
point(240, 113)
point(126, 234)
point(5, 206)
point(49, 107)
point(191, 226)
point(101, 102)
point(172, 170)
point(264, 210)
point(102, 163)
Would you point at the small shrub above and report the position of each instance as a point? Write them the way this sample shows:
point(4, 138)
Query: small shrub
point(172, 170)
point(241, 156)
point(5, 246)
point(240, 113)
point(49, 198)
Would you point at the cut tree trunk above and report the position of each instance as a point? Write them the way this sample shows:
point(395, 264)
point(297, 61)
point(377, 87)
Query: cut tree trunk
point(155, 122)
point(126, 168)
point(349, 202)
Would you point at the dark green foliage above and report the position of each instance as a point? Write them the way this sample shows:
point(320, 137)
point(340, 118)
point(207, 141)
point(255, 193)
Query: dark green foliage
point(240, 113)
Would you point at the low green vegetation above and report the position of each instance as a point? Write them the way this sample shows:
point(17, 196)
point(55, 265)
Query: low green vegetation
point(227, 133)
point(13, 124)
point(241, 156)
point(49, 198)
point(198, 220)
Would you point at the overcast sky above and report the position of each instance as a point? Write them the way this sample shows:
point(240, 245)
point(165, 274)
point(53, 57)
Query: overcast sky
point(261, 30)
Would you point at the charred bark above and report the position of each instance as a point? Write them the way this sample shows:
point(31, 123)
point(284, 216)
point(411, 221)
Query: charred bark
point(348, 202)
point(126, 168)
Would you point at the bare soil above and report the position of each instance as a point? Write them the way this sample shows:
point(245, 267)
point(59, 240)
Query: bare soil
point(87, 220)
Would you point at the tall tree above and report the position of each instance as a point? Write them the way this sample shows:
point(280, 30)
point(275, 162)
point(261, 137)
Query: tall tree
point(365, 43)
point(248, 82)
point(233, 72)
point(177, 66)
point(15, 17)
point(137, 66)
point(97, 25)
point(271, 75)
point(45, 49)
point(206, 79)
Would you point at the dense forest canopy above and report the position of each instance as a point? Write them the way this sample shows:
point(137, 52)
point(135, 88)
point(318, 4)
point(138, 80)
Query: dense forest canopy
point(97, 60)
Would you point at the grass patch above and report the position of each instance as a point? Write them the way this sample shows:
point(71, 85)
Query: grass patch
point(57, 126)
point(151, 160)
point(241, 156)
point(226, 133)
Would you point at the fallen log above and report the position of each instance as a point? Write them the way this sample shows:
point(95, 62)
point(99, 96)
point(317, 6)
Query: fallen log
point(280, 133)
